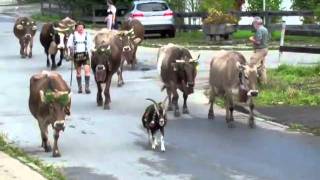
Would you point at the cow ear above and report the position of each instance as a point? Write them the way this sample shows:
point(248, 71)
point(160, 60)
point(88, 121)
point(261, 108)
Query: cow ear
point(240, 66)
point(137, 41)
point(19, 27)
point(42, 96)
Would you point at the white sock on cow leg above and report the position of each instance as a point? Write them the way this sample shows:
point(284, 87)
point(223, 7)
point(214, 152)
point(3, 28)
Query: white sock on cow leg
point(162, 143)
point(150, 137)
point(154, 142)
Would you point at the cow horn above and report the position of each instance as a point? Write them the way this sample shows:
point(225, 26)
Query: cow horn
point(69, 96)
point(155, 104)
point(195, 60)
point(60, 29)
point(19, 27)
point(42, 97)
point(180, 61)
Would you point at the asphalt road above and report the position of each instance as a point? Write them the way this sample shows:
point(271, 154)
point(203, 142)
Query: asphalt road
point(100, 144)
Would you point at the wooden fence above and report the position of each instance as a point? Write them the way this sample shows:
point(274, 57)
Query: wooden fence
point(184, 20)
point(299, 49)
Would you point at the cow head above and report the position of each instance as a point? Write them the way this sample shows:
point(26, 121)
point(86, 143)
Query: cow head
point(60, 35)
point(28, 28)
point(161, 111)
point(102, 58)
point(186, 69)
point(129, 43)
point(59, 106)
point(248, 76)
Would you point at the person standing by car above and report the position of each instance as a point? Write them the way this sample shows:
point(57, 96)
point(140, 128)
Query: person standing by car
point(260, 46)
point(111, 15)
point(79, 44)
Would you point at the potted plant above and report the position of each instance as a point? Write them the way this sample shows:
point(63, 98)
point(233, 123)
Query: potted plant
point(218, 23)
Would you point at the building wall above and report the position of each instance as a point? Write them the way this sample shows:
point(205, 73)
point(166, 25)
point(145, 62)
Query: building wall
point(8, 2)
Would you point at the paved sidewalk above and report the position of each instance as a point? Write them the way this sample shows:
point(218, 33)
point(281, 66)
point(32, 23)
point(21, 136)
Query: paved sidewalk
point(12, 169)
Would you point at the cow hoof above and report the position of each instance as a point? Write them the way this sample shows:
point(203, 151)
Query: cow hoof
point(48, 65)
point(231, 125)
point(47, 148)
point(210, 116)
point(106, 107)
point(23, 56)
point(185, 111)
point(170, 108)
point(56, 154)
point(176, 113)
point(30, 56)
point(252, 125)
point(59, 64)
point(53, 68)
point(163, 149)
point(120, 84)
point(99, 103)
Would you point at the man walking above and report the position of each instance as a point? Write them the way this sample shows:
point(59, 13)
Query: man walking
point(79, 44)
point(260, 46)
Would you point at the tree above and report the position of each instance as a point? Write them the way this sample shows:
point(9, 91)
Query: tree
point(257, 5)
point(222, 5)
point(308, 5)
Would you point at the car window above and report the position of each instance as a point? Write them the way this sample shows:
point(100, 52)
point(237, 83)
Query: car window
point(152, 6)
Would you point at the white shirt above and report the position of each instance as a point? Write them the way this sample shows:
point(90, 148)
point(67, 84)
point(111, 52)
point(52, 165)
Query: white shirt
point(80, 39)
point(113, 10)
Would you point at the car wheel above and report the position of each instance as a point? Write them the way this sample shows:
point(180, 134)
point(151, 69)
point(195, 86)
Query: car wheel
point(172, 33)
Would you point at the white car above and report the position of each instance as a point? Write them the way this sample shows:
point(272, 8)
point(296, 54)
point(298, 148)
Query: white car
point(155, 15)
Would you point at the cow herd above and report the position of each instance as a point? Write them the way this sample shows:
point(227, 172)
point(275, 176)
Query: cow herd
point(50, 96)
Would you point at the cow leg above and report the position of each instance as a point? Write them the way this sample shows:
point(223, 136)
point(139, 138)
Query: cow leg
point(134, 62)
point(154, 140)
point(170, 99)
point(56, 152)
point(107, 93)
point(44, 137)
point(150, 137)
point(229, 110)
point(48, 61)
point(99, 95)
point(163, 148)
point(61, 57)
point(30, 50)
point(211, 101)
point(22, 54)
point(185, 107)
point(251, 116)
point(119, 73)
point(54, 66)
point(175, 99)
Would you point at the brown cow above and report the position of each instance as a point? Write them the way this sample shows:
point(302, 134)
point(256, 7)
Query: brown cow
point(105, 61)
point(126, 44)
point(54, 37)
point(49, 103)
point(138, 29)
point(25, 29)
point(178, 71)
point(231, 75)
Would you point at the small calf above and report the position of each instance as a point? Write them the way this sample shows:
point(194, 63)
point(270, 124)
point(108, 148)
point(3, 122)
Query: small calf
point(153, 119)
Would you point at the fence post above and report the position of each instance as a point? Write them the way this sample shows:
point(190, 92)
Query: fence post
point(41, 4)
point(283, 30)
point(93, 15)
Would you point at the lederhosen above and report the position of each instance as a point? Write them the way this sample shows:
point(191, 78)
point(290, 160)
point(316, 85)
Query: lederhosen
point(80, 58)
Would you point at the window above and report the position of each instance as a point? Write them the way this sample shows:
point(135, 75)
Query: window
point(152, 6)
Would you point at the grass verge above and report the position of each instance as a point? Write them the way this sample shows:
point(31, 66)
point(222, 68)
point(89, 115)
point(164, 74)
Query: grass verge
point(47, 171)
point(301, 128)
point(291, 85)
point(197, 38)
